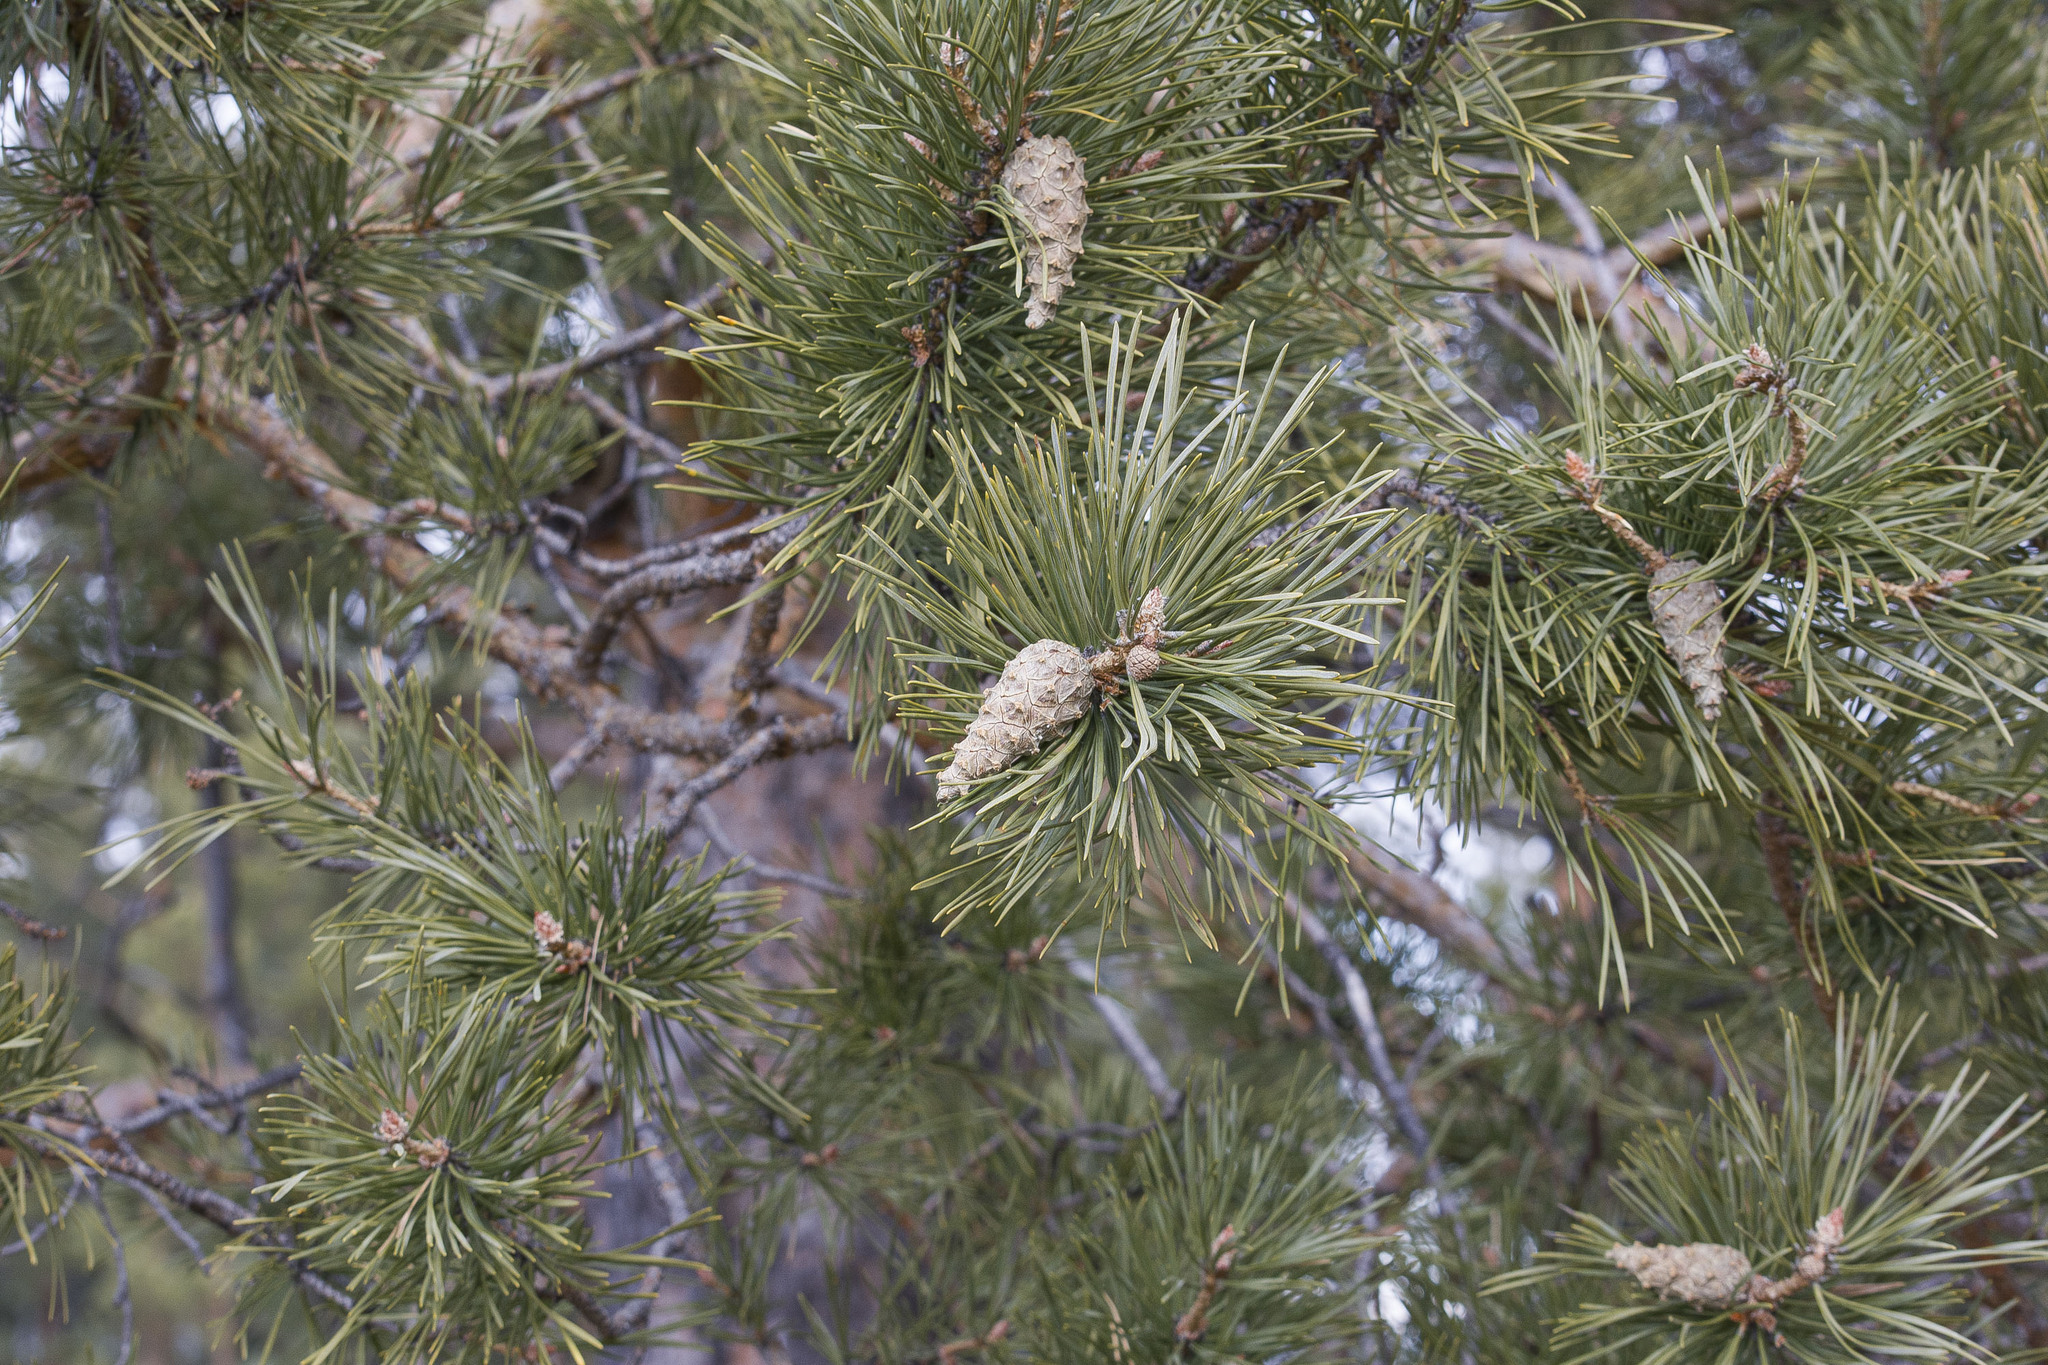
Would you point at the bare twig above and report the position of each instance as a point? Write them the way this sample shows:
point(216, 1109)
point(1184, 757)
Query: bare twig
point(715, 835)
point(777, 739)
point(1414, 898)
point(34, 928)
point(651, 442)
point(1318, 1007)
point(568, 102)
point(1123, 1028)
point(636, 342)
point(1413, 1131)
point(123, 1300)
point(227, 1007)
point(225, 1097)
point(169, 1220)
point(1774, 839)
point(56, 1219)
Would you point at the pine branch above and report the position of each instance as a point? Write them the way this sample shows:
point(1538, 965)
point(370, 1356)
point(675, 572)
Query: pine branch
point(223, 1213)
point(31, 926)
point(1265, 230)
point(550, 669)
point(639, 341)
point(1414, 898)
point(567, 103)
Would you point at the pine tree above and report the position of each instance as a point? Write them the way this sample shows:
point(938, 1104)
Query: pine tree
point(1039, 680)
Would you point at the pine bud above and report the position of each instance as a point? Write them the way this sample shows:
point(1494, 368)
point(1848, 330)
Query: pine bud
point(547, 931)
point(1141, 663)
point(391, 1128)
point(1042, 692)
point(1821, 1245)
point(429, 1153)
point(1703, 1274)
point(1688, 617)
point(1048, 182)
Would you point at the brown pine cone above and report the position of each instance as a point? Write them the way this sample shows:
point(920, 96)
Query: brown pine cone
point(1042, 692)
point(1048, 182)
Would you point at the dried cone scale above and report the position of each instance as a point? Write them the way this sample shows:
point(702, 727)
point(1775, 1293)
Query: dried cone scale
point(1688, 618)
point(1042, 692)
point(1048, 181)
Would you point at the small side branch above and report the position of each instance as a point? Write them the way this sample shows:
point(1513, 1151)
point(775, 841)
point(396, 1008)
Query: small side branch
point(1367, 1021)
point(1123, 1029)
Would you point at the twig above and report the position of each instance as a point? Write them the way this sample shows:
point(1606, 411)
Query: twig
point(226, 1097)
point(78, 1181)
point(122, 1299)
point(1774, 838)
point(1269, 229)
point(34, 928)
point(776, 739)
point(609, 416)
point(750, 671)
point(227, 1007)
point(1413, 1131)
point(222, 1212)
point(1414, 898)
point(715, 835)
point(169, 1220)
point(590, 92)
point(1761, 374)
point(1123, 1028)
point(1318, 1007)
point(1587, 489)
point(661, 582)
point(639, 340)
point(575, 760)
point(2001, 811)
point(1505, 318)
point(676, 1208)
point(1193, 1325)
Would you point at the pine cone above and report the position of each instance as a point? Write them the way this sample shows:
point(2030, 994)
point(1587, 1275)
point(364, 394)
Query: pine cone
point(1048, 182)
point(1688, 617)
point(1042, 692)
point(1141, 663)
point(1703, 1274)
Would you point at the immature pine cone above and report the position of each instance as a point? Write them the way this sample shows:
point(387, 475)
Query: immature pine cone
point(1048, 182)
point(1042, 692)
point(1703, 1274)
point(1688, 617)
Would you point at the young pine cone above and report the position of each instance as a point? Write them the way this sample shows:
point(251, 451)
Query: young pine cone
point(1048, 182)
point(1703, 1274)
point(1042, 692)
point(1688, 617)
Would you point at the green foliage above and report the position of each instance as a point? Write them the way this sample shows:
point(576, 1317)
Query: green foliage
point(886, 338)
point(411, 260)
point(1220, 1241)
point(38, 1068)
point(1761, 1169)
point(434, 1170)
point(1951, 80)
point(1881, 616)
point(1254, 561)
